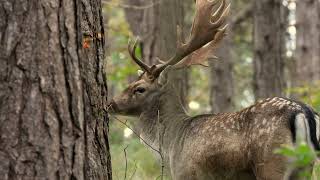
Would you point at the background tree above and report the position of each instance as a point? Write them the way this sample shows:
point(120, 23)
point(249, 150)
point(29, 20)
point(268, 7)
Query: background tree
point(307, 55)
point(268, 49)
point(222, 82)
point(155, 22)
point(222, 95)
point(52, 92)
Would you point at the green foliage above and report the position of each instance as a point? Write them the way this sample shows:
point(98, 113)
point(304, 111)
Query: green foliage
point(302, 156)
point(120, 67)
point(198, 76)
point(309, 93)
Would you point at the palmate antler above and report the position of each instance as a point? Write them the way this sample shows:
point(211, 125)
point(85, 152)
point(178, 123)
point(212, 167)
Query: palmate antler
point(207, 30)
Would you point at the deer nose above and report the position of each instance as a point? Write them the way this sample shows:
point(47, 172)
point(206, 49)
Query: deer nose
point(112, 107)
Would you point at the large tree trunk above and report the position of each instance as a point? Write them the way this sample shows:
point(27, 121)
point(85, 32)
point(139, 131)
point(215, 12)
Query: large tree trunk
point(268, 49)
point(156, 24)
point(52, 92)
point(307, 54)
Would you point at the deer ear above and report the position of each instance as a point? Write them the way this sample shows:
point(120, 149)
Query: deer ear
point(164, 76)
point(140, 72)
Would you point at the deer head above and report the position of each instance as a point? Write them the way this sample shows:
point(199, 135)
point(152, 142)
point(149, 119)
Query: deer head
point(207, 30)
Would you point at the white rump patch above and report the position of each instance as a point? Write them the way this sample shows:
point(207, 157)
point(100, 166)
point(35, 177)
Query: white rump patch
point(302, 129)
point(317, 126)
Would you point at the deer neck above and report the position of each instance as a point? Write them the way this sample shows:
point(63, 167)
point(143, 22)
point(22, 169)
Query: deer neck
point(159, 123)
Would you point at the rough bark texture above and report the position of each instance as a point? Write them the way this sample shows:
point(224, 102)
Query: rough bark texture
point(52, 93)
point(307, 54)
point(268, 49)
point(156, 25)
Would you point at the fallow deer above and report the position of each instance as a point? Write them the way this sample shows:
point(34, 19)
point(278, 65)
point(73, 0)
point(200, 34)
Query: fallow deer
point(237, 145)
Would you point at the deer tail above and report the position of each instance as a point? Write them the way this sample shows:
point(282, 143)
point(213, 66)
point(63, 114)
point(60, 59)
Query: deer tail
point(307, 127)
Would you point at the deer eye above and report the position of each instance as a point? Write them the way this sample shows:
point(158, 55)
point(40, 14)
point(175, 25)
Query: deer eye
point(140, 90)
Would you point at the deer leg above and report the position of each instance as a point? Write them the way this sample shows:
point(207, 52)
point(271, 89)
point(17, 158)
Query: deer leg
point(192, 174)
point(186, 176)
point(294, 173)
point(272, 169)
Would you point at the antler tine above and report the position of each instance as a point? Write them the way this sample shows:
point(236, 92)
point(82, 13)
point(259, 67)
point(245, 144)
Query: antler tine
point(132, 53)
point(220, 16)
point(206, 25)
point(217, 14)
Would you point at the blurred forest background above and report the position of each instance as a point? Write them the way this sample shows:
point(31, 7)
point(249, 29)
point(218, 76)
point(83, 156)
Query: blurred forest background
point(272, 49)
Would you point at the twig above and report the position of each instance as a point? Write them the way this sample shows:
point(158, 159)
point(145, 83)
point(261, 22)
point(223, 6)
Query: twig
point(115, 174)
point(134, 171)
point(125, 156)
point(160, 142)
point(135, 133)
point(161, 176)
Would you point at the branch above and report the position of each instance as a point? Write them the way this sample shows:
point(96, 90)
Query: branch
point(242, 15)
point(125, 123)
point(125, 156)
point(134, 172)
point(160, 142)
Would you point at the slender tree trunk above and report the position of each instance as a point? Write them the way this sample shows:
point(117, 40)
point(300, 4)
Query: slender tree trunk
point(52, 92)
point(221, 91)
point(268, 49)
point(156, 24)
point(171, 14)
point(307, 54)
point(222, 81)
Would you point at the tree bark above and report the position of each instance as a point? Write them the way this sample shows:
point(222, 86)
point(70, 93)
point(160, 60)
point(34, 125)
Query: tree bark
point(222, 87)
point(268, 49)
point(52, 92)
point(156, 25)
point(222, 80)
point(307, 54)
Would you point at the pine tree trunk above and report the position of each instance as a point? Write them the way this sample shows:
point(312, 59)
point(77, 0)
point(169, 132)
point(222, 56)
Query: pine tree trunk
point(307, 54)
point(222, 81)
point(221, 90)
point(52, 91)
point(156, 25)
point(268, 49)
